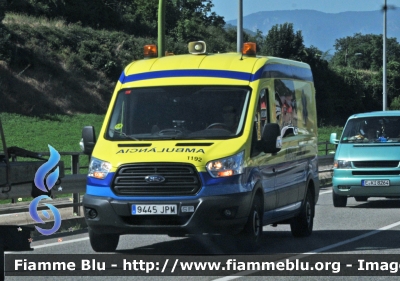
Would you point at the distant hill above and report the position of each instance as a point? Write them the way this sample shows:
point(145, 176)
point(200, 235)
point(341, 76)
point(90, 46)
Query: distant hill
point(322, 29)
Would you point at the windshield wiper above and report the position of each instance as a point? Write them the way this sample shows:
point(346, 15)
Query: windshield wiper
point(124, 135)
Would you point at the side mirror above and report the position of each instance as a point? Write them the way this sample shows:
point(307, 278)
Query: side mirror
point(88, 140)
point(333, 139)
point(271, 138)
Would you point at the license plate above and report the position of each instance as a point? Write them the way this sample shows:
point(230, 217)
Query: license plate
point(375, 183)
point(154, 209)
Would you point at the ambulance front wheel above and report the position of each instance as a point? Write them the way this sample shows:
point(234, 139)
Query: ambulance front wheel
point(249, 238)
point(103, 242)
point(302, 225)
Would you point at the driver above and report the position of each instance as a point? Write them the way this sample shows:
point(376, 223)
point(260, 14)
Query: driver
point(371, 134)
point(230, 120)
point(230, 117)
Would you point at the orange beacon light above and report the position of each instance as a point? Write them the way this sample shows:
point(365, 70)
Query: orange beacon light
point(150, 51)
point(249, 49)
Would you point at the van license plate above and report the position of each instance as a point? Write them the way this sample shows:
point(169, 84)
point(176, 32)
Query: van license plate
point(375, 183)
point(154, 210)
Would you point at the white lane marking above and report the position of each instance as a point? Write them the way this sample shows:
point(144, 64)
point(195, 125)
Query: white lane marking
point(57, 243)
point(325, 192)
point(303, 255)
point(61, 243)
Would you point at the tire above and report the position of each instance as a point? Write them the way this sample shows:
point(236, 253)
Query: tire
point(338, 200)
point(250, 236)
point(302, 225)
point(361, 198)
point(103, 242)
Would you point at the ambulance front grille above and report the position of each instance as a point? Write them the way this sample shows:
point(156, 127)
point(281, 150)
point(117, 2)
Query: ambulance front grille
point(165, 180)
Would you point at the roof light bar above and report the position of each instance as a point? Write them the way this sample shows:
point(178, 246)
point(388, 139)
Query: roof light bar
point(249, 49)
point(150, 51)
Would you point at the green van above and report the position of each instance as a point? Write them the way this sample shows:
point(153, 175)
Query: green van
point(367, 158)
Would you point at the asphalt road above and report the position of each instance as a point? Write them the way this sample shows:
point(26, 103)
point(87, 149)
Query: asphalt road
point(371, 227)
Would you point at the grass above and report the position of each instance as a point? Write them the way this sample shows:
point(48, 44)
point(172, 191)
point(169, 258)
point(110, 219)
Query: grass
point(62, 132)
point(324, 134)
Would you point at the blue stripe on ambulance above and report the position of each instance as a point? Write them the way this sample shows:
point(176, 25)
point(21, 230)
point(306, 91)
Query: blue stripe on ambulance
point(188, 73)
point(267, 71)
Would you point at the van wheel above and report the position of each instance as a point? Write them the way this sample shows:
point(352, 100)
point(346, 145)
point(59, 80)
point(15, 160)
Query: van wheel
point(103, 242)
point(250, 236)
point(338, 200)
point(302, 225)
point(361, 198)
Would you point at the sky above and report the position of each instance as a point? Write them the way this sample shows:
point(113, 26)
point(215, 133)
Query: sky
point(229, 8)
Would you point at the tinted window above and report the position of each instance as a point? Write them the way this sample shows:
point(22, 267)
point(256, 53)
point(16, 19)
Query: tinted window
point(185, 112)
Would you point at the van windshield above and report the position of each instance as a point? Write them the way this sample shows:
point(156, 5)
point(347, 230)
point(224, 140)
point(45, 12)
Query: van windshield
point(178, 112)
point(372, 130)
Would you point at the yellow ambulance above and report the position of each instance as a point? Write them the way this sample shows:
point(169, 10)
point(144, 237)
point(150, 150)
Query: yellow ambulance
point(217, 144)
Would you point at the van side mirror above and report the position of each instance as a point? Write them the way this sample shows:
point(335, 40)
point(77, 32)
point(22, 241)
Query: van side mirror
point(271, 138)
point(333, 139)
point(88, 139)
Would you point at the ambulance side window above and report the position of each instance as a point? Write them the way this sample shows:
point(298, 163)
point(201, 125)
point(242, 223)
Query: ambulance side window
point(260, 118)
point(261, 113)
point(285, 107)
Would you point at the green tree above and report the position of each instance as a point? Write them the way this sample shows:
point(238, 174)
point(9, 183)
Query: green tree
point(193, 17)
point(5, 52)
point(186, 20)
point(93, 13)
point(282, 41)
point(3, 5)
point(257, 38)
point(393, 82)
point(364, 51)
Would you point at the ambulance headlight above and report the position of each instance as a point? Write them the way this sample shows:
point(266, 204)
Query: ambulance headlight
point(226, 167)
point(99, 169)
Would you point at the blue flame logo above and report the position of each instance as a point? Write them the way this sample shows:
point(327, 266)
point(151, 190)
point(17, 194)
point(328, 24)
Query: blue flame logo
point(45, 168)
point(45, 184)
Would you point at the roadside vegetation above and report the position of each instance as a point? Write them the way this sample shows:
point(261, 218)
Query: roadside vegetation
point(64, 57)
point(62, 132)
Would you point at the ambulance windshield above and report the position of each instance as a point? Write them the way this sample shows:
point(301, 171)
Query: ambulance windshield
point(178, 112)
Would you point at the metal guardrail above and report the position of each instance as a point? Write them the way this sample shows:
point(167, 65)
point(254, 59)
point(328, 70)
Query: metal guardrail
point(76, 184)
point(328, 147)
point(325, 163)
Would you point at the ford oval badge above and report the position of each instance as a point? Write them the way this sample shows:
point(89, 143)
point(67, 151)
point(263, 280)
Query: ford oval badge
point(154, 178)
